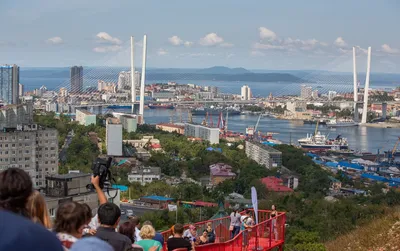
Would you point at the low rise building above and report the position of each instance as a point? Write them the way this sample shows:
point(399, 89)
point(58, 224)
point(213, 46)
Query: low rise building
point(263, 155)
point(145, 175)
point(203, 132)
point(85, 117)
point(60, 188)
point(220, 172)
point(335, 184)
point(129, 122)
point(169, 127)
point(275, 184)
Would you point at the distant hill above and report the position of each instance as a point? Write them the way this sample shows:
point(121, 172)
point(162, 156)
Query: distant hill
point(246, 77)
point(223, 70)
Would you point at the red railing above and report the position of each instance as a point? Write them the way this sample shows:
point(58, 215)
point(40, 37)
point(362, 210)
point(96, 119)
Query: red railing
point(268, 234)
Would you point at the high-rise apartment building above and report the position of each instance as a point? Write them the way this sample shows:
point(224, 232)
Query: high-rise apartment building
point(263, 155)
point(9, 80)
point(20, 90)
point(306, 92)
point(245, 93)
point(25, 145)
point(113, 137)
point(76, 76)
point(124, 80)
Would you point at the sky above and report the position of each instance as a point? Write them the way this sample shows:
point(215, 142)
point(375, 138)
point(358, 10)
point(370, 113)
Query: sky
point(267, 35)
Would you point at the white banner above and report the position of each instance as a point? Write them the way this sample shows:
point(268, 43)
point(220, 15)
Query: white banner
point(172, 208)
point(255, 202)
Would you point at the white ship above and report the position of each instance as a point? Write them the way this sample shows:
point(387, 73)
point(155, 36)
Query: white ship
point(341, 123)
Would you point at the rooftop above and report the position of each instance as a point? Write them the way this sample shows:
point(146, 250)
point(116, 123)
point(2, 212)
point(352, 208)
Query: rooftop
point(221, 169)
point(268, 148)
point(275, 184)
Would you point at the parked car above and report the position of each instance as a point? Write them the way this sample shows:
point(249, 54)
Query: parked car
point(129, 212)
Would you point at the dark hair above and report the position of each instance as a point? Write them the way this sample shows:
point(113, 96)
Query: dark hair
point(135, 220)
point(147, 223)
point(109, 214)
point(70, 217)
point(178, 228)
point(88, 212)
point(15, 189)
point(128, 229)
point(248, 211)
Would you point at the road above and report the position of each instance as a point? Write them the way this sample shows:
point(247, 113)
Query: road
point(138, 211)
point(63, 154)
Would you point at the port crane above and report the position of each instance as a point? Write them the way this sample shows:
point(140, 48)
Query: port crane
point(393, 152)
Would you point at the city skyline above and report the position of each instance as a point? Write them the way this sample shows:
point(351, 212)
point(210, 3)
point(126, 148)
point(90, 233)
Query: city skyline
point(273, 36)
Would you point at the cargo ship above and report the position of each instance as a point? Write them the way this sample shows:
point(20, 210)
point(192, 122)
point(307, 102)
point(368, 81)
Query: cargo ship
point(161, 106)
point(214, 111)
point(314, 121)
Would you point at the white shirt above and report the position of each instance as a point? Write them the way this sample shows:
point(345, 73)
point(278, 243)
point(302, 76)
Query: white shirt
point(137, 235)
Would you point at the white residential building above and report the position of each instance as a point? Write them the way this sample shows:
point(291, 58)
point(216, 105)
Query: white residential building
point(263, 155)
point(113, 137)
point(145, 175)
point(246, 93)
point(203, 132)
point(85, 117)
point(124, 80)
point(331, 95)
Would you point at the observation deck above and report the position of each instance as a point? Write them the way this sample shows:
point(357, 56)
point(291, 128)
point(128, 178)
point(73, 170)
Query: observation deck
point(268, 234)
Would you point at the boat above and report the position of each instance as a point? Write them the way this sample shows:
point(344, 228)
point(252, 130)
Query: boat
point(216, 111)
point(314, 121)
point(341, 123)
point(321, 141)
point(161, 106)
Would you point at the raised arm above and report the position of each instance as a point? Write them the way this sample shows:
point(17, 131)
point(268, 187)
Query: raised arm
point(99, 191)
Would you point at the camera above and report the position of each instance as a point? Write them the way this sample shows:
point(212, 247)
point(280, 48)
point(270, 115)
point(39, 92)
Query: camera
point(101, 167)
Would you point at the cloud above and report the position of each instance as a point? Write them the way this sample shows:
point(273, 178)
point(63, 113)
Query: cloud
point(269, 46)
point(211, 39)
point(257, 53)
point(364, 51)
point(227, 45)
point(387, 49)
point(54, 40)
point(106, 38)
point(188, 43)
point(267, 34)
point(175, 40)
point(162, 52)
point(110, 48)
point(230, 55)
point(339, 42)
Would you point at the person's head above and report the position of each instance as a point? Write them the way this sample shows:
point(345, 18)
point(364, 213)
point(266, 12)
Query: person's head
point(147, 232)
point(15, 189)
point(88, 212)
point(135, 220)
point(147, 223)
point(37, 209)
point(109, 214)
point(205, 233)
point(273, 207)
point(128, 229)
point(248, 212)
point(178, 229)
point(70, 219)
point(193, 230)
point(209, 225)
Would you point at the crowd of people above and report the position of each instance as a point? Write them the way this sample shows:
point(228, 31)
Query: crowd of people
point(25, 223)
